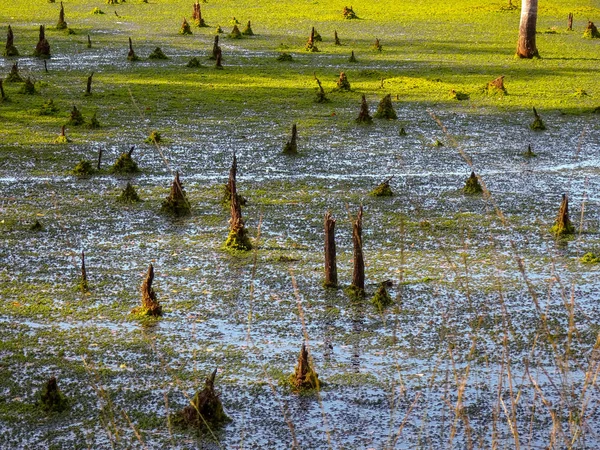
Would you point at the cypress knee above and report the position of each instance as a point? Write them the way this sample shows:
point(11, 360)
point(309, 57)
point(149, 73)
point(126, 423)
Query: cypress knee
point(358, 275)
point(331, 279)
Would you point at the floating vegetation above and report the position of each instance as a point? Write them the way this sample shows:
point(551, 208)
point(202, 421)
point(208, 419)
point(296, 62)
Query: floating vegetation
point(591, 31)
point(10, 49)
point(83, 168)
point(154, 137)
point(537, 124)
point(304, 376)
point(157, 53)
point(248, 30)
point(185, 28)
point(51, 399)
point(456, 95)
point(349, 13)
point(363, 115)
point(235, 33)
point(76, 117)
point(129, 195)
point(382, 300)
point(97, 11)
point(291, 146)
point(562, 225)
point(219, 30)
point(343, 84)
point(150, 305)
point(284, 57)
point(194, 63)
point(176, 204)
point(125, 164)
point(472, 185)
point(385, 109)
point(383, 190)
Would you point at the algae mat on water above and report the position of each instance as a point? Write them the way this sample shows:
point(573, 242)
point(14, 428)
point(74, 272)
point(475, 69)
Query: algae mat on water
point(493, 318)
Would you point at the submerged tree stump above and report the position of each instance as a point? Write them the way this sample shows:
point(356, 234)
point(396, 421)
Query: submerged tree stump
point(11, 50)
point(76, 117)
point(28, 87)
point(343, 84)
point(562, 225)
point(157, 53)
point(197, 16)
point(591, 31)
point(336, 38)
point(131, 56)
point(385, 109)
point(331, 278)
point(129, 195)
point(150, 305)
point(235, 33)
point(363, 115)
point(42, 49)
point(529, 153)
point(205, 410)
point(248, 30)
point(61, 25)
point(14, 76)
point(358, 274)
point(304, 376)
point(238, 235)
point(472, 185)
point(310, 44)
point(83, 284)
point(382, 300)
point(291, 146)
point(51, 398)
point(570, 22)
point(537, 124)
point(230, 182)
point(185, 28)
point(176, 204)
point(321, 98)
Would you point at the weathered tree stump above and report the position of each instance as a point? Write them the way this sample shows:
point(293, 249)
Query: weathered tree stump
point(363, 115)
point(343, 84)
point(402, 132)
point(83, 284)
point(14, 76)
point(310, 44)
point(349, 13)
point(94, 123)
point(193, 63)
point(382, 300)
point(150, 305)
point(216, 49)
point(83, 169)
point(321, 98)
point(76, 117)
point(197, 16)
point(129, 195)
point(472, 185)
point(291, 146)
point(42, 49)
point(185, 28)
point(51, 398)
point(377, 45)
point(496, 86)
point(304, 376)
point(231, 182)
point(28, 87)
point(205, 410)
point(238, 235)
point(385, 109)
point(88, 89)
point(352, 58)
point(591, 31)
point(331, 278)
point(248, 30)
point(131, 56)
point(176, 204)
point(61, 25)
point(562, 225)
point(3, 96)
point(11, 50)
point(157, 53)
point(358, 275)
point(100, 152)
point(336, 38)
point(537, 124)
point(383, 189)
point(570, 22)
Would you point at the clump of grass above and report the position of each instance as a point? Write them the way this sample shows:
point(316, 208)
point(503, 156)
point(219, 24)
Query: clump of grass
point(472, 186)
point(83, 168)
point(157, 53)
point(382, 300)
point(48, 108)
point(385, 109)
point(154, 137)
point(590, 258)
point(129, 195)
point(51, 399)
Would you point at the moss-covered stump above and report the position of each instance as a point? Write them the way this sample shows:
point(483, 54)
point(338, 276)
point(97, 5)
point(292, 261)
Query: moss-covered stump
point(562, 225)
point(14, 76)
point(125, 164)
point(238, 235)
point(456, 95)
point(304, 376)
point(377, 45)
point(205, 410)
point(154, 137)
point(382, 300)
point(537, 124)
point(61, 24)
point(28, 87)
point(76, 117)
point(197, 16)
point(382, 190)
point(310, 44)
point(157, 53)
point(226, 200)
point(51, 399)
point(321, 98)
point(193, 63)
point(131, 56)
point(185, 28)
point(284, 57)
point(529, 153)
point(363, 115)
point(352, 58)
point(291, 146)
point(218, 64)
point(62, 137)
point(83, 168)
point(385, 109)
point(590, 258)
point(129, 195)
point(36, 226)
point(248, 30)
point(176, 204)
point(349, 13)
point(343, 84)
point(94, 122)
point(216, 49)
point(591, 31)
point(235, 33)
point(10, 49)
point(472, 185)
point(496, 86)
point(150, 305)
point(42, 49)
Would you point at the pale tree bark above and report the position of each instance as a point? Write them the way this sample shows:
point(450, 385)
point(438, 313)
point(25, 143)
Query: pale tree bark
point(526, 47)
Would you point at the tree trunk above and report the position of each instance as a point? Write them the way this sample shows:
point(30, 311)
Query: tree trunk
point(331, 279)
point(526, 47)
point(358, 276)
point(570, 22)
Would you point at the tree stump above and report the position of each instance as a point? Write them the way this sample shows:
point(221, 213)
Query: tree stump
point(382, 300)
point(310, 44)
point(3, 96)
point(385, 109)
point(125, 164)
point(529, 153)
point(218, 64)
point(591, 31)
point(352, 58)
point(248, 30)
point(343, 84)
point(496, 86)
point(205, 410)
point(291, 146)
point(570, 22)
point(472, 185)
point(83, 284)
point(88, 89)
point(157, 53)
point(383, 189)
point(563, 226)
point(238, 235)
point(349, 13)
point(62, 138)
point(61, 25)
point(358, 274)
point(42, 49)
point(304, 376)
point(176, 204)
point(216, 49)
point(14, 76)
point(131, 56)
point(336, 38)
point(235, 33)
point(51, 398)
point(89, 41)
point(150, 305)
point(377, 45)
point(537, 124)
point(185, 28)
point(321, 98)
point(129, 195)
point(197, 16)
point(76, 117)
point(363, 115)
point(331, 278)
point(11, 50)
point(230, 182)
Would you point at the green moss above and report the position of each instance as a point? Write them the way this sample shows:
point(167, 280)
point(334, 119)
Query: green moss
point(48, 108)
point(125, 164)
point(349, 13)
point(83, 168)
point(62, 139)
point(385, 109)
point(129, 195)
point(591, 32)
point(354, 292)
point(537, 124)
point(382, 300)
point(437, 143)
point(157, 53)
point(590, 258)
point(219, 30)
point(472, 186)
point(284, 57)
point(383, 190)
point(238, 241)
point(561, 230)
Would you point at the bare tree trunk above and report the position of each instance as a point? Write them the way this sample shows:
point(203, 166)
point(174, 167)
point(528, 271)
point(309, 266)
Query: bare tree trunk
point(526, 47)
point(358, 276)
point(331, 279)
point(570, 22)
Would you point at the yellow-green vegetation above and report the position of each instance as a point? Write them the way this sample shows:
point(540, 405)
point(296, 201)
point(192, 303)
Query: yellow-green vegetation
point(472, 185)
point(83, 168)
point(382, 300)
point(590, 258)
point(125, 164)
